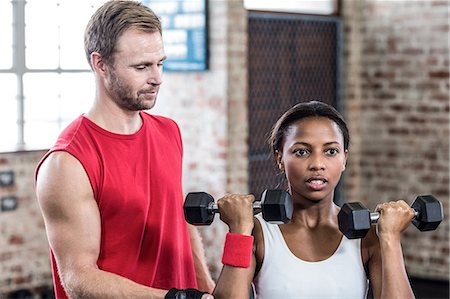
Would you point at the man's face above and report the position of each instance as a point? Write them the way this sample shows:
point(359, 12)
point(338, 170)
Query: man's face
point(134, 79)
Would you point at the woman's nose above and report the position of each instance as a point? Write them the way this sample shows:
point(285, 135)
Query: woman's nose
point(316, 163)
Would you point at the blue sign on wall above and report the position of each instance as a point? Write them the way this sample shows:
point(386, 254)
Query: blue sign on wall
point(184, 24)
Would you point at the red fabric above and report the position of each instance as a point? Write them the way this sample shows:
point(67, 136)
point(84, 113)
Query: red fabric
point(136, 181)
point(237, 251)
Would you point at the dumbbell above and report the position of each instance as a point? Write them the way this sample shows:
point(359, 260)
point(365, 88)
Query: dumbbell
point(275, 205)
point(355, 220)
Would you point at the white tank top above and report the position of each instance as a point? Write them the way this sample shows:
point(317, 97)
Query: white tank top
point(283, 275)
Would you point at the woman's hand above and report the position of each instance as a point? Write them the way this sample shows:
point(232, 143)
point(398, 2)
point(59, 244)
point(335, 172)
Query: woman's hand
point(236, 210)
point(395, 217)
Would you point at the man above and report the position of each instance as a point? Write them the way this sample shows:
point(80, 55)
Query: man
point(110, 189)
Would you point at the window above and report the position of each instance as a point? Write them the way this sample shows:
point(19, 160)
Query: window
point(311, 7)
point(45, 77)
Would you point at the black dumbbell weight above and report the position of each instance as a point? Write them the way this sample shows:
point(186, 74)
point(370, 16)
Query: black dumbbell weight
point(355, 220)
point(275, 205)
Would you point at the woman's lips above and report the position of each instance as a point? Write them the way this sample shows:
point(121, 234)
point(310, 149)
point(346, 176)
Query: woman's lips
point(316, 183)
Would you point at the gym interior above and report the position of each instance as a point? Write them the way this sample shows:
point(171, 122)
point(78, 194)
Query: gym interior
point(383, 63)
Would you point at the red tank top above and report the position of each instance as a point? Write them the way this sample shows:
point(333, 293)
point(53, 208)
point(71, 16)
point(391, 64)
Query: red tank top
point(136, 181)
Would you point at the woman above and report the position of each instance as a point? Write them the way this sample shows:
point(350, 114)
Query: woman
point(309, 257)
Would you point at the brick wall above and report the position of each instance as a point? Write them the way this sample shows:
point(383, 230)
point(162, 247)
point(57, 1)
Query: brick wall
point(395, 94)
point(198, 102)
point(211, 109)
point(396, 98)
point(24, 256)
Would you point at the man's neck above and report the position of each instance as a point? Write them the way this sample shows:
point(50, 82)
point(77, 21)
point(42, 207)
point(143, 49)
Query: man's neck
point(114, 119)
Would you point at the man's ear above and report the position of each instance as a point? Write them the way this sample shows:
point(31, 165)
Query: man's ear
point(97, 62)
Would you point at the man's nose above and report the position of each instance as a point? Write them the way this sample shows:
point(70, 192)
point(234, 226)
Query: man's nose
point(155, 75)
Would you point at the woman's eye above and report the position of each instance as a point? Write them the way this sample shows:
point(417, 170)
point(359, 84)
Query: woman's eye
point(301, 152)
point(332, 151)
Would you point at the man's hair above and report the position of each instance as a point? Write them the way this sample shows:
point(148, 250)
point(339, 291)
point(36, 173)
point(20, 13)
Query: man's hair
point(109, 22)
point(301, 111)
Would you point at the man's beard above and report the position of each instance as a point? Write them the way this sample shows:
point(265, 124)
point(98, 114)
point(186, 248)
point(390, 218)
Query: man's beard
point(122, 95)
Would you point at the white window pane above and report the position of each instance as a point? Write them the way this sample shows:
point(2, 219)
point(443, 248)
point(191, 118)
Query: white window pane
point(63, 22)
point(41, 95)
point(72, 48)
point(41, 109)
point(77, 94)
point(42, 34)
point(40, 134)
point(76, 16)
point(8, 110)
point(52, 101)
point(5, 34)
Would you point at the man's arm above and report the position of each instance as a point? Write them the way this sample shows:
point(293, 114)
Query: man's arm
point(72, 222)
point(204, 281)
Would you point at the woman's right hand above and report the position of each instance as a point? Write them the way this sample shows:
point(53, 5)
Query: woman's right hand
point(236, 210)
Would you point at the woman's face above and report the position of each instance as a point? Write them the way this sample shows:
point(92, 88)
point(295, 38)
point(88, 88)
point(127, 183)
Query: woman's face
point(313, 158)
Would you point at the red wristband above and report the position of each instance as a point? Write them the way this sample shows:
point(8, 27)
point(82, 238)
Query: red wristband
point(237, 251)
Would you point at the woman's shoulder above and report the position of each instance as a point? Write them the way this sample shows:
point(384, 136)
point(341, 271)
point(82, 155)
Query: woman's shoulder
point(258, 233)
point(370, 244)
point(258, 244)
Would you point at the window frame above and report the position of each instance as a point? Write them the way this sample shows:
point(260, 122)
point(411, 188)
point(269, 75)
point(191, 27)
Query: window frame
point(20, 69)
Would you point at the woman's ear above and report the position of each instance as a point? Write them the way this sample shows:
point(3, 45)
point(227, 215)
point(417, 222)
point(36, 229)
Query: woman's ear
point(279, 158)
point(345, 159)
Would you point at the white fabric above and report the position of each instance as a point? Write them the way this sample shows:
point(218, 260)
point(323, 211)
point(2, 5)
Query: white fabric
point(283, 275)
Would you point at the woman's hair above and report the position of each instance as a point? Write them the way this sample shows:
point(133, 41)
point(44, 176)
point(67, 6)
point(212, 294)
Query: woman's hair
point(109, 22)
point(301, 111)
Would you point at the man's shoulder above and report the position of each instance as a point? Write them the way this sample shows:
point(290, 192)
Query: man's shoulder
point(159, 119)
point(69, 133)
point(148, 115)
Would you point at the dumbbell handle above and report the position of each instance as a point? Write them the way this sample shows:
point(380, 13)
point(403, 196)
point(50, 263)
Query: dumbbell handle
point(374, 216)
point(212, 207)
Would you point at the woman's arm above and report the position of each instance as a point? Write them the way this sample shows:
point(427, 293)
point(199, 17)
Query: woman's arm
point(237, 212)
point(235, 282)
point(386, 266)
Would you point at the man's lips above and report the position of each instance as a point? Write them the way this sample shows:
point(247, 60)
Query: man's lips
point(149, 94)
point(153, 91)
